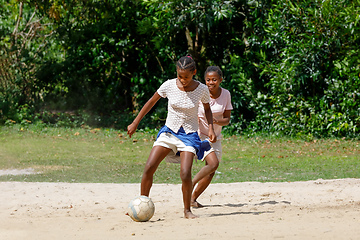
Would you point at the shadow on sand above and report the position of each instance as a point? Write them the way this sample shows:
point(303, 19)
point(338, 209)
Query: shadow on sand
point(245, 204)
point(238, 205)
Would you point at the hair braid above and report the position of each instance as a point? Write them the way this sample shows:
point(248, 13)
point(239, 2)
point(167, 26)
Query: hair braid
point(186, 62)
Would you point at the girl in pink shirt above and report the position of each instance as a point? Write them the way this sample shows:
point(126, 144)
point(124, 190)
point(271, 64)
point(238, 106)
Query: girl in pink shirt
point(220, 104)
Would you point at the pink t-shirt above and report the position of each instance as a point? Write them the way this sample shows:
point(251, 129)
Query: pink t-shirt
point(218, 107)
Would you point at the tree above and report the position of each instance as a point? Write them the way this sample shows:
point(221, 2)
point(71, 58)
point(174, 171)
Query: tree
point(299, 55)
point(25, 38)
point(204, 29)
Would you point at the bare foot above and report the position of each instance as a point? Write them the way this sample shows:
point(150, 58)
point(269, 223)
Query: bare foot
point(189, 215)
point(195, 204)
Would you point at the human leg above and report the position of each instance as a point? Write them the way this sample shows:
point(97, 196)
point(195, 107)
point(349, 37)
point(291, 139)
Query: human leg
point(200, 188)
point(204, 177)
point(212, 163)
point(185, 174)
point(157, 154)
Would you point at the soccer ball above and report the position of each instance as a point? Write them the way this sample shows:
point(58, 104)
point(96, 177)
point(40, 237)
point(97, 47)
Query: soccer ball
point(141, 209)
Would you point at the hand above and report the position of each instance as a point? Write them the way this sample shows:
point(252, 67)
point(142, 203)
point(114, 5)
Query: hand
point(212, 136)
point(131, 129)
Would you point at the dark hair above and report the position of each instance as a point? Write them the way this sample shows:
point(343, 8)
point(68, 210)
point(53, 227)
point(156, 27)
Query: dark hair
point(186, 62)
point(213, 69)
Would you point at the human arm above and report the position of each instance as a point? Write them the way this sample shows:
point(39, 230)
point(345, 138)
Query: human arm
point(145, 109)
point(225, 120)
point(209, 118)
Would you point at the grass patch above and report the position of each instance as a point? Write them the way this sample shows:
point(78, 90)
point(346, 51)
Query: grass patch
point(284, 159)
point(108, 155)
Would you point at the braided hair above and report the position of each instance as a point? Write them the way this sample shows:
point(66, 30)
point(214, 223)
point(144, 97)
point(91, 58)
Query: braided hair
point(214, 69)
point(186, 62)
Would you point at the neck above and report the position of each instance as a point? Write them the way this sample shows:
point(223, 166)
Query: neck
point(215, 93)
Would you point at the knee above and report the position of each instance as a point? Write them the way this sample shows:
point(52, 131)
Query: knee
point(149, 169)
point(212, 162)
point(185, 174)
point(214, 165)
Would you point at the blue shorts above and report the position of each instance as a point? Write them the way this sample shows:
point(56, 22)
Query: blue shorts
point(181, 141)
point(170, 141)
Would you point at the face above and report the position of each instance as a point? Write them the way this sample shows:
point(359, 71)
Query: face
point(185, 76)
point(213, 80)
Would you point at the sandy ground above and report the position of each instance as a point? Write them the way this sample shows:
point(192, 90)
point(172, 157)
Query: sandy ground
point(322, 209)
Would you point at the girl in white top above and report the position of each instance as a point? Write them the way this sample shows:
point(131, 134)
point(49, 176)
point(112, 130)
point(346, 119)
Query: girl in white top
point(221, 107)
point(180, 131)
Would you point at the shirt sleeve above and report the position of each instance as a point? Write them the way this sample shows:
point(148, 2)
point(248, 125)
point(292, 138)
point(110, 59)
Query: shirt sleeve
point(162, 90)
point(206, 95)
point(228, 101)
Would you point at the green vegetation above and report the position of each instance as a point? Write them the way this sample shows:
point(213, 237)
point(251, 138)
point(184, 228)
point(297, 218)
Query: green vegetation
point(73, 74)
point(292, 66)
point(107, 155)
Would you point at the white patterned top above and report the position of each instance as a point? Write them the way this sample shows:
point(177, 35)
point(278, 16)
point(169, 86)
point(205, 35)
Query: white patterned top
point(183, 106)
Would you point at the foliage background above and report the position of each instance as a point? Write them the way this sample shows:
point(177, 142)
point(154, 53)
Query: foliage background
point(292, 66)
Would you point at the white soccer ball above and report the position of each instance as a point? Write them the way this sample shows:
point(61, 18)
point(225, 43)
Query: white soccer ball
point(141, 209)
